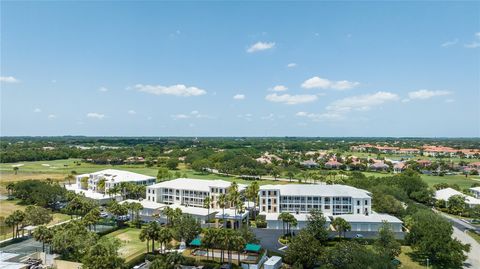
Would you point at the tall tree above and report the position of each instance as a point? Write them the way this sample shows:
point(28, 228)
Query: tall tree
point(44, 235)
point(304, 250)
point(103, 255)
point(386, 243)
point(341, 225)
point(317, 225)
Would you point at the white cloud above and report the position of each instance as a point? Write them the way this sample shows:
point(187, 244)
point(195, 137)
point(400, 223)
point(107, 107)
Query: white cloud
point(291, 65)
point(259, 46)
point(291, 99)
point(52, 116)
point(191, 115)
point(426, 94)
point(37, 110)
point(176, 90)
point(180, 116)
point(247, 116)
point(361, 102)
point(132, 112)
point(328, 116)
point(449, 43)
point(95, 115)
point(475, 43)
point(103, 89)
point(279, 88)
point(270, 116)
point(9, 79)
point(323, 83)
point(239, 96)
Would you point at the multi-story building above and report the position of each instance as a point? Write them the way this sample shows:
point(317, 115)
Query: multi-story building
point(189, 195)
point(189, 192)
point(302, 198)
point(97, 185)
point(334, 201)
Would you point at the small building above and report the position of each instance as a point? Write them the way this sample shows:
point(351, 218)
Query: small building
point(309, 163)
point(445, 194)
point(399, 167)
point(379, 166)
point(273, 262)
point(475, 192)
point(371, 222)
point(333, 164)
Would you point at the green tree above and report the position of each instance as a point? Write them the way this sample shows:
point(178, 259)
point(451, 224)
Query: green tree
point(91, 218)
point(187, 228)
point(304, 250)
point(163, 174)
point(317, 225)
point(386, 243)
point(456, 204)
point(72, 240)
point(15, 169)
point(431, 237)
point(207, 203)
point(341, 225)
point(222, 202)
point(251, 194)
point(352, 255)
point(44, 235)
point(35, 215)
point(103, 255)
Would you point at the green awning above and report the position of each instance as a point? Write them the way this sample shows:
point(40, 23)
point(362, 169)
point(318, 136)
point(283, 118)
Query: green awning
point(252, 247)
point(196, 242)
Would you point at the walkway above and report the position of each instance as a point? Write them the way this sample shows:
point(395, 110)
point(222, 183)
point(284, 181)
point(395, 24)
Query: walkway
point(473, 260)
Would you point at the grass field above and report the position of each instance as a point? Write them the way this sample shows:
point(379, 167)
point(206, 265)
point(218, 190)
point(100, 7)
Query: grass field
point(131, 246)
point(407, 262)
point(462, 181)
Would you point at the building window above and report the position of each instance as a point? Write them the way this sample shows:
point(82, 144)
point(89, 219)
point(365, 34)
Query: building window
point(358, 210)
point(263, 193)
point(327, 207)
point(358, 202)
point(366, 202)
point(263, 208)
point(274, 192)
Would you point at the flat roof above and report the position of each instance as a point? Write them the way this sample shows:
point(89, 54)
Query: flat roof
point(145, 203)
point(273, 260)
point(372, 218)
point(113, 175)
point(195, 184)
point(318, 190)
point(89, 193)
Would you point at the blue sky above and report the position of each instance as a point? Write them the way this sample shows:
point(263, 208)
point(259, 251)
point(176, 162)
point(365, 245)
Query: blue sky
point(240, 69)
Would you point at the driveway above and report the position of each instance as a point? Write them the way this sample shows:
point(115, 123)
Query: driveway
point(473, 260)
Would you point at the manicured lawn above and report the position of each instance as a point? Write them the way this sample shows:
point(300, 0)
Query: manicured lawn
point(131, 245)
point(462, 181)
point(407, 262)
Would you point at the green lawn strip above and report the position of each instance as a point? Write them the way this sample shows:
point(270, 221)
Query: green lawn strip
point(474, 236)
point(407, 261)
point(131, 246)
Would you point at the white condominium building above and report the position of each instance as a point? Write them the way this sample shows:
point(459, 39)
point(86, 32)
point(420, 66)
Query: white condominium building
point(302, 198)
point(189, 192)
point(112, 178)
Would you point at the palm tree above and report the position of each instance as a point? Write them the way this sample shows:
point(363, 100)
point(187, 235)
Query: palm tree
point(222, 203)
point(168, 213)
point(165, 235)
point(207, 203)
point(43, 234)
point(19, 217)
point(91, 218)
point(153, 233)
point(283, 217)
point(234, 199)
point(145, 236)
point(175, 259)
point(238, 243)
point(252, 195)
point(136, 208)
point(15, 169)
point(69, 178)
point(101, 185)
point(10, 222)
point(209, 239)
point(341, 225)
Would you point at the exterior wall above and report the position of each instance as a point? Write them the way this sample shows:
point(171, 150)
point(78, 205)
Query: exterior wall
point(277, 224)
point(373, 227)
point(184, 197)
point(94, 179)
point(271, 201)
point(475, 194)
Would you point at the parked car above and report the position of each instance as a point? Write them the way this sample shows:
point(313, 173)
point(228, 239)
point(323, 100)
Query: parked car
point(139, 266)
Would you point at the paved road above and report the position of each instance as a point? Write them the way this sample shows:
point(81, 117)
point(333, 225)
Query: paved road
point(473, 260)
point(23, 248)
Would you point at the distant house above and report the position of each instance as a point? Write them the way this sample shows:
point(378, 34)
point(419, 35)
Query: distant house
point(445, 194)
point(333, 164)
point(309, 163)
point(424, 163)
point(399, 167)
point(379, 166)
point(267, 158)
point(475, 192)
